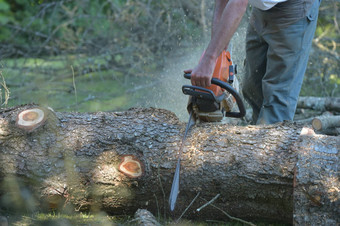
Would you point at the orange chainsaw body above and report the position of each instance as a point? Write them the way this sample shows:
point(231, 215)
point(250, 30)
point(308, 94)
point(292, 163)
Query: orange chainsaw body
point(221, 71)
point(211, 111)
point(211, 104)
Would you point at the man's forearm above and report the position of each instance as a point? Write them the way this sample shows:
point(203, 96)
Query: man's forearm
point(227, 17)
point(226, 25)
point(218, 10)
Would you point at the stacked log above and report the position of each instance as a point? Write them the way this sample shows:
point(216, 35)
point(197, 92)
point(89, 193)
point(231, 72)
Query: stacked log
point(323, 114)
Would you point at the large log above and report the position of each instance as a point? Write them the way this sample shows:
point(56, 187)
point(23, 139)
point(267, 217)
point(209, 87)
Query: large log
point(75, 159)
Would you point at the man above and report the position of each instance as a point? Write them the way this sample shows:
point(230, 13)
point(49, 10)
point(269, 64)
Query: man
point(278, 42)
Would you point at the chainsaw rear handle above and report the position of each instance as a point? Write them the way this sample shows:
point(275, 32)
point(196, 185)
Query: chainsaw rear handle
point(206, 94)
point(232, 91)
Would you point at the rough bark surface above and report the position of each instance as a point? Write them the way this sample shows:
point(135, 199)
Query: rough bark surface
point(73, 158)
point(317, 188)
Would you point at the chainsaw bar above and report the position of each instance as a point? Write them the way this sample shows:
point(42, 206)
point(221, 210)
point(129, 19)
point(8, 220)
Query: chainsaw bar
point(208, 97)
point(175, 183)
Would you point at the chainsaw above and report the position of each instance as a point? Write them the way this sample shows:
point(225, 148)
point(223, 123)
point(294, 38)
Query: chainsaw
point(210, 104)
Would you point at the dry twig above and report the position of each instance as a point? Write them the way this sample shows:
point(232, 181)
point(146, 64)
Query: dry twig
point(208, 203)
point(230, 217)
point(3, 84)
point(192, 202)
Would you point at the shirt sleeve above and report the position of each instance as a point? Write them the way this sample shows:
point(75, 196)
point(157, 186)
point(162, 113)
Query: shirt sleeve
point(264, 4)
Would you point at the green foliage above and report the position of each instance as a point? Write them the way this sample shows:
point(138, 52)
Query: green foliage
point(322, 76)
point(122, 39)
point(129, 34)
point(97, 90)
point(4, 13)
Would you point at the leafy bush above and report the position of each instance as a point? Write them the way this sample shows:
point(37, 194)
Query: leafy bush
point(128, 34)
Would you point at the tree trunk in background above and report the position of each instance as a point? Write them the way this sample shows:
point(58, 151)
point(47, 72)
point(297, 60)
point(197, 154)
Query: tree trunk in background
point(320, 103)
point(73, 160)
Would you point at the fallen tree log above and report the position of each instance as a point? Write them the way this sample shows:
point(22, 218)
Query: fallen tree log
point(326, 122)
point(320, 103)
point(122, 161)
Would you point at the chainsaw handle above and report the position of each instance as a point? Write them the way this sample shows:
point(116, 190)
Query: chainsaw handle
point(207, 93)
point(232, 91)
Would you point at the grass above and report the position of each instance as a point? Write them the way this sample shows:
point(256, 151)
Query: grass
point(51, 219)
point(69, 83)
point(102, 219)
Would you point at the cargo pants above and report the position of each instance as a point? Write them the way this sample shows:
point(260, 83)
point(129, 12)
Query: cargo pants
point(275, 65)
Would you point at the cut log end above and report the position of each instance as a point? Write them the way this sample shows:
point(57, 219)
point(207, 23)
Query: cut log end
point(31, 119)
point(317, 124)
point(131, 166)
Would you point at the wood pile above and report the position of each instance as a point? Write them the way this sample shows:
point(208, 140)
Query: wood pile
point(322, 113)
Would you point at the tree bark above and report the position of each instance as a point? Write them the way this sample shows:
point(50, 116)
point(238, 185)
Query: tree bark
point(320, 103)
point(73, 159)
point(317, 187)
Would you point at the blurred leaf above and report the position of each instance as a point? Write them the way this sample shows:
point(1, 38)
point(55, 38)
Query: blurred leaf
point(3, 19)
point(118, 58)
point(4, 6)
point(334, 79)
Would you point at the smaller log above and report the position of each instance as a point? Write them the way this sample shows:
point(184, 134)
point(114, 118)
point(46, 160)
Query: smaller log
point(308, 120)
point(320, 103)
point(326, 122)
point(144, 218)
point(331, 131)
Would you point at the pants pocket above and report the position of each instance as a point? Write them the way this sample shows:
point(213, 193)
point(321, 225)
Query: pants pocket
point(314, 11)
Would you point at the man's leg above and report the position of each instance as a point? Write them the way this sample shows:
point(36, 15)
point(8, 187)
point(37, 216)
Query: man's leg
point(287, 59)
point(255, 68)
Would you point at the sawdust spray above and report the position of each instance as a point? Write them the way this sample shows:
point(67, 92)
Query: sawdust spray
point(167, 93)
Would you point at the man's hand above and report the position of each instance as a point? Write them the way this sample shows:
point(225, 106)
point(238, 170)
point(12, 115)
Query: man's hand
point(201, 75)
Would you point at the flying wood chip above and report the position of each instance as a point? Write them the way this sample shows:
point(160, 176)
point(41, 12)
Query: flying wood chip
point(131, 166)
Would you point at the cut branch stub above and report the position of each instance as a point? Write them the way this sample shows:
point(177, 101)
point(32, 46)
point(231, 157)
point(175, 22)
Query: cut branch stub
point(30, 119)
point(131, 166)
